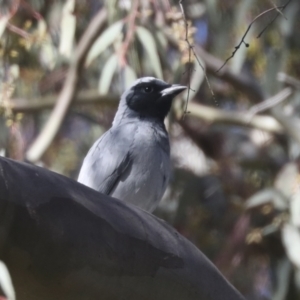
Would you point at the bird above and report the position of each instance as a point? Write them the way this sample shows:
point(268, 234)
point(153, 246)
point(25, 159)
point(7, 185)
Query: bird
point(131, 161)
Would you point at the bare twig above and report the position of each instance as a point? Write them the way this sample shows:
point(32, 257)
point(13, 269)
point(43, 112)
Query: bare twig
point(31, 10)
point(236, 48)
point(280, 10)
point(18, 31)
point(46, 136)
point(192, 50)
point(11, 9)
point(206, 78)
point(189, 48)
point(129, 34)
point(240, 82)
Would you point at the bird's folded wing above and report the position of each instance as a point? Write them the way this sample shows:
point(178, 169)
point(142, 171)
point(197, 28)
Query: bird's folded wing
point(106, 162)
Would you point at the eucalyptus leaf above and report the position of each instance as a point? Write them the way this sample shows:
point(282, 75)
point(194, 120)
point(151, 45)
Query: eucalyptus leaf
point(107, 74)
point(48, 53)
point(287, 179)
point(104, 41)
point(148, 42)
point(67, 29)
point(6, 282)
point(297, 280)
point(111, 9)
point(291, 242)
point(162, 39)
point(283, 268)
point(129, 76)
point(266, 196)
point(3, 23)
point(295, 208)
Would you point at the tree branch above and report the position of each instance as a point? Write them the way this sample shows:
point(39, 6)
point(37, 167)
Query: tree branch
point(214, 115)
point(46, 136)
point(271, 102)
point(47, 102)
point(198, 110)
point(288, 80)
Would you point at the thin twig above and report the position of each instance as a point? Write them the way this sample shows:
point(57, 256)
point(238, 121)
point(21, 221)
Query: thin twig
point(236, 48)
point(280, 10)
point(18, 31)
point(46, 136)
point(189, 48)
point(30, 9)
point(192, 50)
point(241, 81)
point(129, 34)
point(206, 78)
point(13, 6)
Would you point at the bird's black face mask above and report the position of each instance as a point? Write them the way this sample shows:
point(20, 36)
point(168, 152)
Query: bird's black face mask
point(152, 99)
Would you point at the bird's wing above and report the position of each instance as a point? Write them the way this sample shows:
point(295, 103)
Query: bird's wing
point(108, 159)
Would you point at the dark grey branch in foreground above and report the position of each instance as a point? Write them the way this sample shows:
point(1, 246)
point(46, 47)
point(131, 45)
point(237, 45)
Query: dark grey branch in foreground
point(62, 240)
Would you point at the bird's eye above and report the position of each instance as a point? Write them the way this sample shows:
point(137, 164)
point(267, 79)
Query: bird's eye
point(147, 89)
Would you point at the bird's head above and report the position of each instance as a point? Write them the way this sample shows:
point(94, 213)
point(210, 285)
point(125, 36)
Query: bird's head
point(151, 97)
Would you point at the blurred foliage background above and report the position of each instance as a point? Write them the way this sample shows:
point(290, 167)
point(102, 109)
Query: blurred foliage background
point(235, 190)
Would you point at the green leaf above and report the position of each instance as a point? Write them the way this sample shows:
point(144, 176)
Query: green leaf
point(107, 74)
point(162, 40)
point(148, 42)
point(129, 76)
point(104, 41)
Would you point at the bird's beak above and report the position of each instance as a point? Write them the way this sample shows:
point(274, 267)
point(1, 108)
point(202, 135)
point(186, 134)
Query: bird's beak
point(173, 90)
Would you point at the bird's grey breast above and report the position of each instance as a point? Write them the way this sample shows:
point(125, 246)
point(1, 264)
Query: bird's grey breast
point(149, 174)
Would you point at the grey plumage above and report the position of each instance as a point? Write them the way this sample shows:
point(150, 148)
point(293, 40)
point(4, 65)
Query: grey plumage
point(131, 161)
